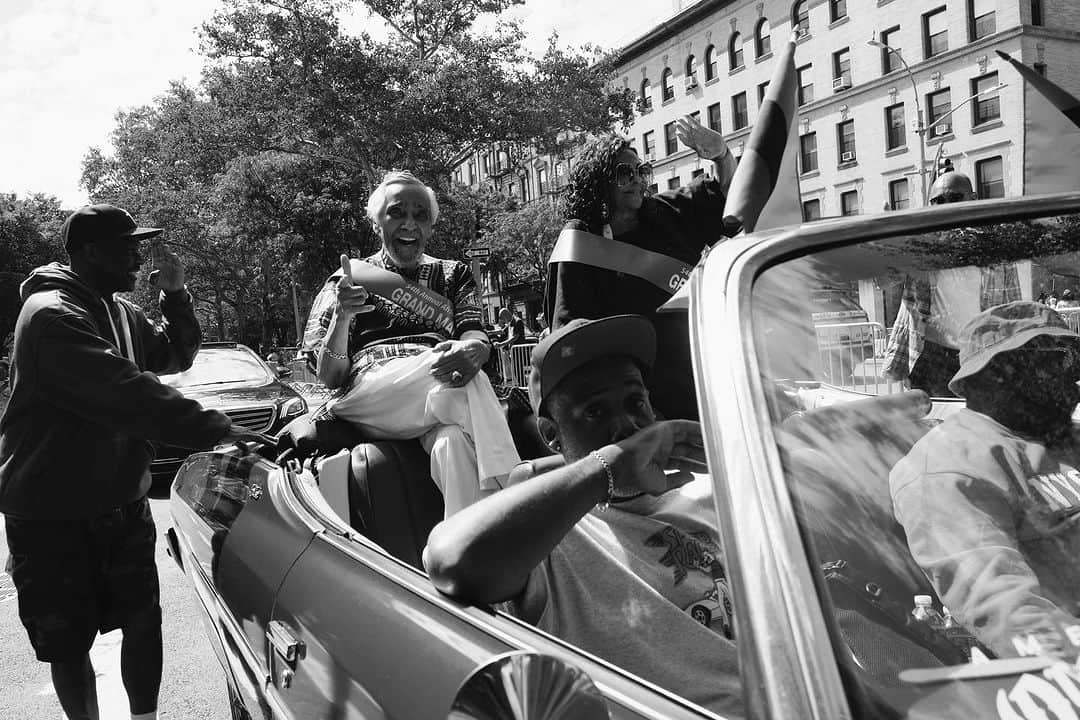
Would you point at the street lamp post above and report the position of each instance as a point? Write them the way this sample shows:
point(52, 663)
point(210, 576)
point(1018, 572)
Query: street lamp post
point(920, 129)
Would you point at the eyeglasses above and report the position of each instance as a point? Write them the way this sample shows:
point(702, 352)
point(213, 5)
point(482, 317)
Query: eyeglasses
point(948, 198)
point(624, 174)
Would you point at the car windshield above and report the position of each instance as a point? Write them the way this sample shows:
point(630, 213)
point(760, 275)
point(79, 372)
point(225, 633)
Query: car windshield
point(928, 447)
point(220, 366)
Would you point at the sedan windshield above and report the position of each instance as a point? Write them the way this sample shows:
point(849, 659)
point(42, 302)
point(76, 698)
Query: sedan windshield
point(220, 366)
point(929, 442)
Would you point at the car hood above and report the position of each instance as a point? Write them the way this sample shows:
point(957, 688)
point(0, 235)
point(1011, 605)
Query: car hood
point(233, 395)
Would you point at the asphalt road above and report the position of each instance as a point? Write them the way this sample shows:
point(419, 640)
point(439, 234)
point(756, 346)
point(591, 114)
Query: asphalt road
point(193, 685)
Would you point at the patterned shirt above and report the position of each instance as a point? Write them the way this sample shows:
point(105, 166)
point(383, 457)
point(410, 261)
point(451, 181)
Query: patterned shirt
point(391, 324)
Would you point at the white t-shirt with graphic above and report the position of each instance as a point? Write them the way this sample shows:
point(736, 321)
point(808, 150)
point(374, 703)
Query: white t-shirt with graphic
point(634, 584)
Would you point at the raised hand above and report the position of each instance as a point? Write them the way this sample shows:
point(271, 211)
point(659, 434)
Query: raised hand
point(351, 299)
point(168, 272)
point(707, 143)
point(667, 445)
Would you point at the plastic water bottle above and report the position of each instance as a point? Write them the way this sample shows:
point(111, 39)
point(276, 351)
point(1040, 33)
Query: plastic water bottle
point(924, 612)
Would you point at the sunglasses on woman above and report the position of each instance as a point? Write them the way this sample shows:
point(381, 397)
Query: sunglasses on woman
point(624, 174)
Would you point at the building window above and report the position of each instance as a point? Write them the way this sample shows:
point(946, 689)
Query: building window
point(986, 108)
point(895, 135)
point(541, 180)
point(935, 32)
point(890, 60)
point(1040, 68)
point(645, 100)
point(938, 105)
point(849, 202)
point(1036, 12)
point(800, 17)
point(735, 56)
point(842, 69)
point(811, 210)
point(983, 22)
point(761, 90)
point(808, 152)
point(673, 183)
point(899, 195)
point(845, 137)
point(714, 117)
point(653, 189)
point(691, 66)
point(806, 85)
point(762, 38)
point(710, 63)
point(739, 117)
point(671, 142)
point(696, 115)
point(837, 10)
point(667, 86)
point(990, 178)
point(697, 173)
point(648, 145)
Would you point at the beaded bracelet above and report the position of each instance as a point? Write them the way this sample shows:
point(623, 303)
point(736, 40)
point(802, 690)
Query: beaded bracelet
point(604, 504)
point(336, 356)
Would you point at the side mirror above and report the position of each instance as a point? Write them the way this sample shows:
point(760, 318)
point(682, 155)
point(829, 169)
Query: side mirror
point(283, 371)
point(528, 686)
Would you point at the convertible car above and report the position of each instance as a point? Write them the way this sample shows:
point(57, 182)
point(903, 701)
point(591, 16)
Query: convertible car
point(306, 556)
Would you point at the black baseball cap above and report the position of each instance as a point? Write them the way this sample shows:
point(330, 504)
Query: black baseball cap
point(94, 223)
point(581, 341)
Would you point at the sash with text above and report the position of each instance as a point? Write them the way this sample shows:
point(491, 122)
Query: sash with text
point(661, 270)
point(415, 298)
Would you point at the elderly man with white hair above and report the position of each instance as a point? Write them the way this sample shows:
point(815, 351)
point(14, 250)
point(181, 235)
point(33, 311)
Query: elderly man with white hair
point(399, 333)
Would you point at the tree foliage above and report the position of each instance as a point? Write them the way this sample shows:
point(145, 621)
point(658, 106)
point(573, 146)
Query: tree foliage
point(261, 172)
point(521, 242)
point(29, 237)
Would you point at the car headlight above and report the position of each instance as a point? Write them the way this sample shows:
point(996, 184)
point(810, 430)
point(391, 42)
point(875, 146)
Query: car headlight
point(294, 407)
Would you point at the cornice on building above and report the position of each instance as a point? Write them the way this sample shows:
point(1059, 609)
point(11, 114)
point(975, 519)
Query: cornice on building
point(667, 29)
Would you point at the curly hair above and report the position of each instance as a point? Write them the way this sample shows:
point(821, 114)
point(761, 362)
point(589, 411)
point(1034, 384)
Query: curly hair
point(590, 180)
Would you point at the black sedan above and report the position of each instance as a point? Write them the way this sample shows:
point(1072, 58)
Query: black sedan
point(233, 379)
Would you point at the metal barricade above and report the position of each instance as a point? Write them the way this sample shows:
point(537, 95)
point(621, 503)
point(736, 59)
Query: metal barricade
point(518, 370)
point(1071, 315)
point(852, 357)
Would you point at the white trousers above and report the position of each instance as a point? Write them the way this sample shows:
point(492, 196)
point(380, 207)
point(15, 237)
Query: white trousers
point(463, 429)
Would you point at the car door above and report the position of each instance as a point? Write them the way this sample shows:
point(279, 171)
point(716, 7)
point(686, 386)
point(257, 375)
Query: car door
point(236, 544)
point(356, 633)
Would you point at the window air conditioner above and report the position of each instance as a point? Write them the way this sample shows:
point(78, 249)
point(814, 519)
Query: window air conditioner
point(942, 129)
point(650, 156)
point(691, 81)
point(841, 83)
point(847, 157)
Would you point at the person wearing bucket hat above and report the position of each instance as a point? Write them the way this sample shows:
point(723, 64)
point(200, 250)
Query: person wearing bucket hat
point(75, 452)
point(989, 498)
point(586, 550)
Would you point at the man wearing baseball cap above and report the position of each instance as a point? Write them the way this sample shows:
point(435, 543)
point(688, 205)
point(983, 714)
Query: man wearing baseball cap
point(609, 551)
point(75, 452)
point(990, 498)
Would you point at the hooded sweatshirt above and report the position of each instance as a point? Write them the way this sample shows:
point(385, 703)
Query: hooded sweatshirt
point(85, 402)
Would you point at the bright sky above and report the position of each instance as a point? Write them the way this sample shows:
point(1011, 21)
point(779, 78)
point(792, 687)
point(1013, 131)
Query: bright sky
point(67, 66)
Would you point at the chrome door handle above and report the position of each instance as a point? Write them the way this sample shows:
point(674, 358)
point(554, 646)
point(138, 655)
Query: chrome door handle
point(283, 641)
